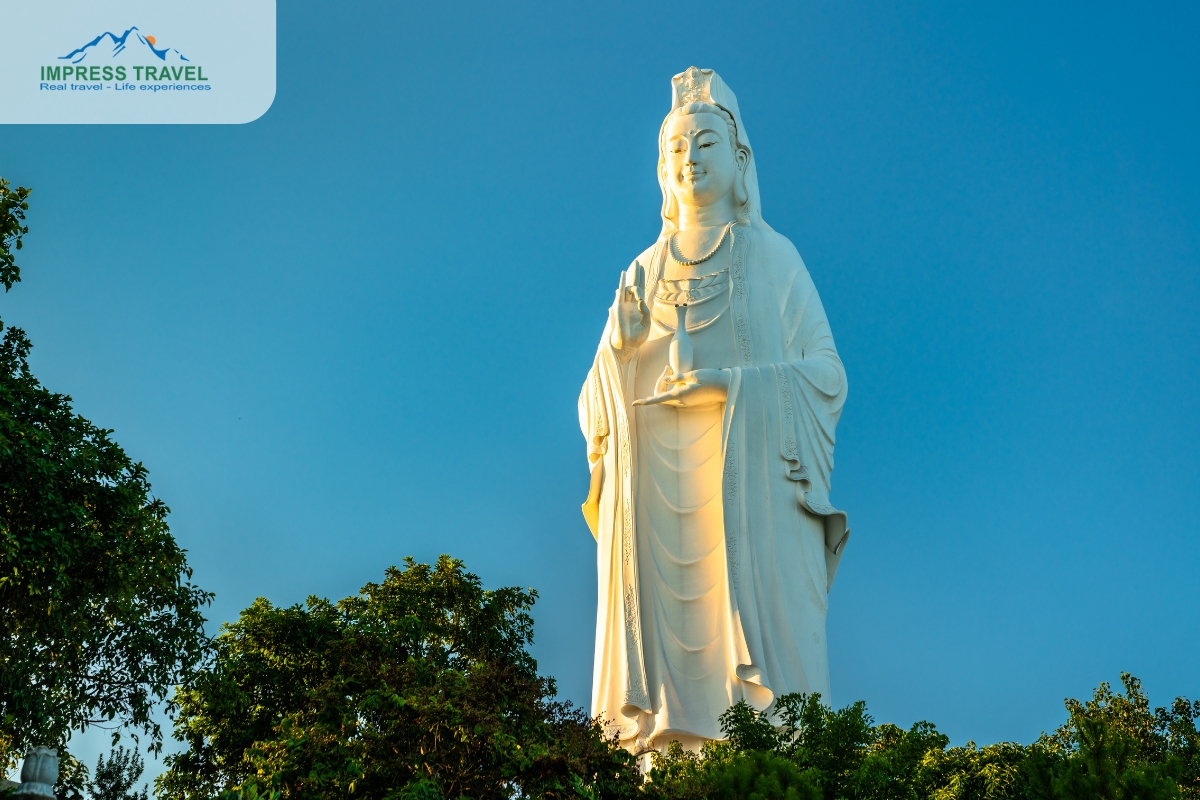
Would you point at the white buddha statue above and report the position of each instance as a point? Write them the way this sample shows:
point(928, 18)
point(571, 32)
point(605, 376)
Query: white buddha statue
point(709, 499)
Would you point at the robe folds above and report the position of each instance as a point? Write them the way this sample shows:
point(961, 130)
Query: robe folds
point(783, 540)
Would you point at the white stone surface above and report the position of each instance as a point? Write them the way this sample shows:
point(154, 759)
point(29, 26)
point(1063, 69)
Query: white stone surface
point(711, 451)
point(39, 773)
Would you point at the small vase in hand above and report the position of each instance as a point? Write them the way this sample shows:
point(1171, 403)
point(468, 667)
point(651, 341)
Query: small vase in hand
point(680, 353)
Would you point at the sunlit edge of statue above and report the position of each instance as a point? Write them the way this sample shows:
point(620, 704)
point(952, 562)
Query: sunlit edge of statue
point(778, 406)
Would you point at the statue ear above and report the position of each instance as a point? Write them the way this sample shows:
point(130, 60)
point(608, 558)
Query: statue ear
point(739, 183)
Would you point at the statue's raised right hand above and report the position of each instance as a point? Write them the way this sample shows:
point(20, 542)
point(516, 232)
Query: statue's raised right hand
point(629, 315)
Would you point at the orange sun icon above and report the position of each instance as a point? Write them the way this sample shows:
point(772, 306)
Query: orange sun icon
point(150, 39)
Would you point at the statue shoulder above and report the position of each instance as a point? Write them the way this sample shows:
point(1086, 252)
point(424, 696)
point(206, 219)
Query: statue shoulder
point(647, 255)
point(774, 255)
point(645, 258)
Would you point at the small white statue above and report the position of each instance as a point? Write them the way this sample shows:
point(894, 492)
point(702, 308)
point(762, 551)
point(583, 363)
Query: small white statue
point(39, 773)
point(709, 414)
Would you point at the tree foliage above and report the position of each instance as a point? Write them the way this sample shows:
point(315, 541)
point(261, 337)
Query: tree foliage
point(116, 777)
point(1112, 747)
point(13, 205)
point(100, 618)
point(422, 687)
point(419, 686)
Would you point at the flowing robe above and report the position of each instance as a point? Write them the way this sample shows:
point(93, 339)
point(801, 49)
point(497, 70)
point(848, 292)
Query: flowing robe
point(782, 539)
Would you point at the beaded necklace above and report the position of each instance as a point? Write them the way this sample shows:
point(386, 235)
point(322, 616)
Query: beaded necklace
point(684, 262)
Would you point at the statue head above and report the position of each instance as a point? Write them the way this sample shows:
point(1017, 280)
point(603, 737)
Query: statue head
point(704, 155)
point(701, 159)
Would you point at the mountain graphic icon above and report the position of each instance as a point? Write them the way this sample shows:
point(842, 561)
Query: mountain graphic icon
point(132, 45)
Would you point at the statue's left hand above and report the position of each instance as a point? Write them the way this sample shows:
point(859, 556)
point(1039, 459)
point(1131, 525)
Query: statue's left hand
point(699, 387)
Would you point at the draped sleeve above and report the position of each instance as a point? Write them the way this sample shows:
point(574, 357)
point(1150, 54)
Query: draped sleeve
point(619, 689)
point(794, 364)
point(818, 381)
point(812, 390)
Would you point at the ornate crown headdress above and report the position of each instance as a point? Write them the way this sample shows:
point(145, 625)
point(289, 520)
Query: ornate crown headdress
point(694, 87)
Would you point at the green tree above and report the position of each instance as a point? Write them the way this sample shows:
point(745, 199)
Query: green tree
point(835, 745)
point(892, 768)
point(1114, 747)
point(419, 686)
point(725, 772)
point(801, 749)
point(100, 618)
point(969, 772)
point(13, 205)
point(117, 777)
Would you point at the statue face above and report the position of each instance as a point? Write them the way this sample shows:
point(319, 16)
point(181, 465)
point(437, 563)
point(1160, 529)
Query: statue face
point(700, 160)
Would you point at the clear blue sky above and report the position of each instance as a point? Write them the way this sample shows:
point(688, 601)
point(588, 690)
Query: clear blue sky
point(355, 329)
